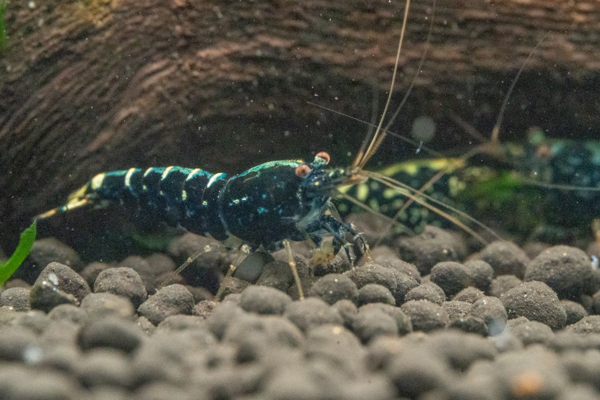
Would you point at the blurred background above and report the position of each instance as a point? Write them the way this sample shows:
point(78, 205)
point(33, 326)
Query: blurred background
point(98, 85)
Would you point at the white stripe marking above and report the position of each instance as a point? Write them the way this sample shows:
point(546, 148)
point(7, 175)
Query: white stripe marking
point(128, 177)
point(97, 181)
point(166, 173)
point(214, 178)
point(191, 174)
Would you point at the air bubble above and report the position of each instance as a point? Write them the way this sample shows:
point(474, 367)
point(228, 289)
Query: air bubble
point(423, 128)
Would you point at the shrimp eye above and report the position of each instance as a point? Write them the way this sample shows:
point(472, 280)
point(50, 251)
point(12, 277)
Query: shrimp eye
point(323, 155)
point(302, 170)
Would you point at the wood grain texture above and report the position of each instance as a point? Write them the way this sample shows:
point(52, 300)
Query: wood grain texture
point(100, 85)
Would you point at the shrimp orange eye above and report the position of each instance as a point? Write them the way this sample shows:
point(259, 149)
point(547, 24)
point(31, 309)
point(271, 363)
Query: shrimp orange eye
point(302, 170)
point(323, 155)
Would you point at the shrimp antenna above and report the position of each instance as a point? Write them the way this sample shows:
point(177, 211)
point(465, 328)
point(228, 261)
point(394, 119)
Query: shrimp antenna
point(405, 139)
point(381, 133)
point(372, 211)
point(422, 199)
point(366, 152)
point(496, 129)
point(473, 132)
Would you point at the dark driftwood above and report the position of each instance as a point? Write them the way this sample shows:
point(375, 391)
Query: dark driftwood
point(110, 84)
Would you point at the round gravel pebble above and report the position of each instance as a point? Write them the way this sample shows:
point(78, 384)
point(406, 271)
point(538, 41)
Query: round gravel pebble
point(162, 390)
point(204, 308)
point(530, 332)
point(347, 310)
point(469, 295)
point(234, 285)
point(65, 279)
point(189, 327)
point(589, 324)
point(264, 300)
point(476, 387)
point(567, 340)
point(502, 284)
point(470, 324)
point(59, 333)
point(566, 270)
point(373, 293)
point(457, 309)
point(19, 382)
point(146, 273)
point(381, 252)
point(274, 330)
point(575, 311)
point(451, 276)
point(427, 291)
point(159, 360)
point(17, 298)
point(416, 371)
point(35, 320)
point(14, 343)
point(481, 274)
point(404, 284)
point(69, 313)
point(399, 265)
point(43, 252)
point(582, 367)
point(426, 316)
point(333, 288)
point(146, 326)
point(276, 274)
point(533, 249)
point(58, 284)
point(596, 303)
point(92, 270)
point(402, 319)
point(15, 282)
point(114, 333)
point(312, 312)
point(373, 273)
point(534, 373)
point(580, 392)
point(536, 302)
point(170, 300)
point(61, 357)
point(372, 323)
point(460, 350)
point(432, 246)
point(100, 305)
point(7, 316)
point(123, 282)
point(492, 312)
point(382, 350)
point(297, 382)
point(221, 317)
point(505, 258)
point(45, 296)
point(337, 345)
point(104, 367)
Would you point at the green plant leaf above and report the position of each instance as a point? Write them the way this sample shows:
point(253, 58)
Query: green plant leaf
point(3, 4)
point(21, 252)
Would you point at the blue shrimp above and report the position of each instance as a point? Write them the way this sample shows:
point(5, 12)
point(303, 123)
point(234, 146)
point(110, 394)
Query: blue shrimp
point(265, 206)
